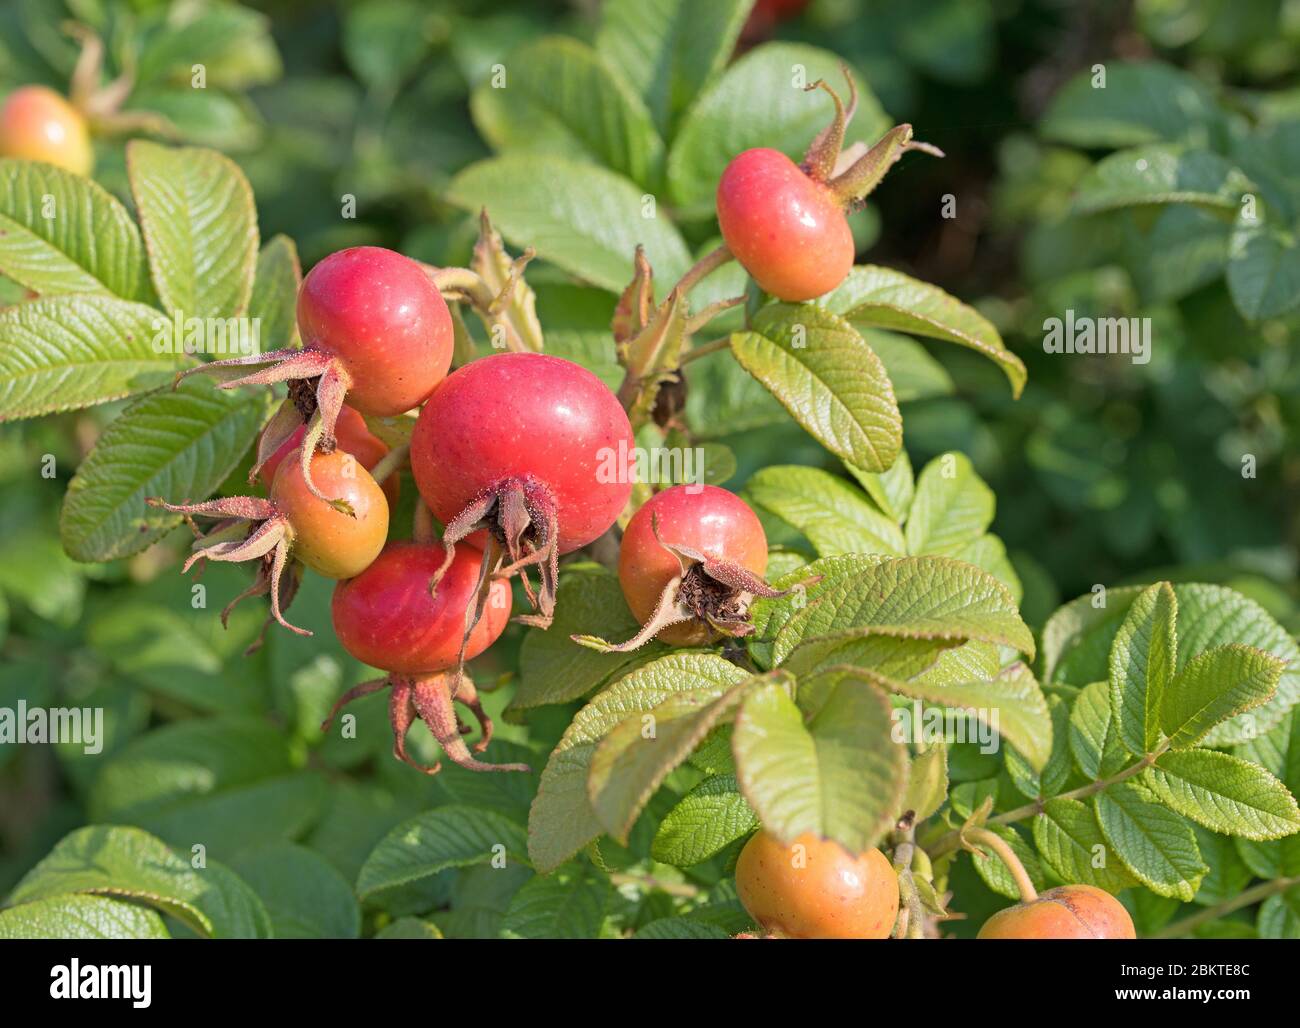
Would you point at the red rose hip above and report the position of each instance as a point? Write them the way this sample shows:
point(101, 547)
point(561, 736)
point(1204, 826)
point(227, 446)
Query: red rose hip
point(790, 232)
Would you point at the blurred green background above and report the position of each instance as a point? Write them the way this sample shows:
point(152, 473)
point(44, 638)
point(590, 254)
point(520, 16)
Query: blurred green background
point(1105, 471)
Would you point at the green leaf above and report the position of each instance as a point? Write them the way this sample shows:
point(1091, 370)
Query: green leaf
point(81, 917)
point(803, 585)
point(927, 782)
point(178, 444)
point(760, 101)
point(828, 378)
point(1094, 735)
point(635, 756)
point(205, 117)
point(231, 41)
point(1224, 793)
point(1215, 686)
point(384, 41)
point(680, 928)
point(1227, 877)
point(1155, 844)
point(1051, 779)
point(914, 598)
point(1071, 845)
point(410, 928)
point(1160, 174)
point(914, 374)
point(892, 490)
point(61, 233)
point(668, 49)
point(450, 836)
point(569, 904)
point(304, 894)
point(705, 821)
point(584, 218)
point(1077, 642)
point(1142, 662)
point(561, 98)
point(835, 517)
point(226, 782)
point(1141, 102)
point(1279, 916)
point(67, 352)
point(555, 669)
point(129, 863)
point(883, 298)
point(273, 305)
point(200, 227)
point(1263, 270)
point(562, 820)
point(840, 776)
point(1011, 704)
point(952, 506)
point(995, 873)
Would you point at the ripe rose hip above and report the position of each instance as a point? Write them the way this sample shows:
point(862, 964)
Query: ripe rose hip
point(387, 617)
point(519, 444)
point(789, 231)
point(37, 124)
point(691, 563)
point(787, 223)
point(374, 329)
point(815, 889)
point(354, 437)
point(295, 524)
point(1067, 912)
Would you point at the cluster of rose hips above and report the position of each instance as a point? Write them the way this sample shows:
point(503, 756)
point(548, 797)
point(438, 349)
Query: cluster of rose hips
point(505, 453)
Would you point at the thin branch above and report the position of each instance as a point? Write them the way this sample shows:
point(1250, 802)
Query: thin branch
point(704, 349)
point(707, 264)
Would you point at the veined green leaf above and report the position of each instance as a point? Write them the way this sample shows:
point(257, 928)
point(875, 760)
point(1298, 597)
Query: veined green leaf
point(61, 233)
point(1224, 793)
point(1155, 844)
point(841, 776)
point(200, 227)
point(1142, 662)
point(829, 379)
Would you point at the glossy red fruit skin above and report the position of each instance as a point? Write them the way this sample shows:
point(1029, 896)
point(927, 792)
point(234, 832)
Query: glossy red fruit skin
point(526, 415)
point(354, 437)
point(328, 541)
point(385, 617)
point(383, 318)
point(1066, 912)
point(705, 518)
point(788, 231)
point(37, 124)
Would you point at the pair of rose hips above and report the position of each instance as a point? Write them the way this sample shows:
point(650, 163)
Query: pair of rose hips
point(815, 889)
point(509, 452)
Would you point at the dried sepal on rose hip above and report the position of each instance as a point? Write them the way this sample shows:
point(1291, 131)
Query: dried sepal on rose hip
point(513, 452)
point(374, 329)
point(691, 563)
point(387, 617)
point(787, 224)
point(292, 524)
